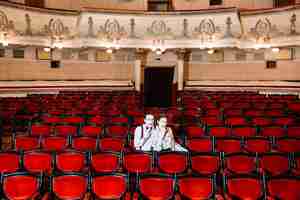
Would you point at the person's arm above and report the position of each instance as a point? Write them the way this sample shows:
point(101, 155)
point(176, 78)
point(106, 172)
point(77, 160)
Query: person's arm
point(172, 140)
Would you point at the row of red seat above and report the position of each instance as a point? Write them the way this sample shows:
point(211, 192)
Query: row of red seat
point(150, 186)
point(171, 163)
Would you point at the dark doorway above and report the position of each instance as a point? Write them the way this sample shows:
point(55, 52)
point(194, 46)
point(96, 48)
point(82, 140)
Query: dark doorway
point(158, 86)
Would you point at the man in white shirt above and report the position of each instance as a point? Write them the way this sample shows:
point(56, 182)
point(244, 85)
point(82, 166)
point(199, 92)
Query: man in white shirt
point(145, 136)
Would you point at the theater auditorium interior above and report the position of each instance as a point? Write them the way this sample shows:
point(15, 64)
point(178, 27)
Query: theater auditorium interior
point(80, 78)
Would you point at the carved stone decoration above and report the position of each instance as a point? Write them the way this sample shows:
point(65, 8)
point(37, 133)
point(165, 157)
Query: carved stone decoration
point(159, 29)
point(293, 20)
point(185, 29)
point(4, 23)
point(28, 30)
point(228, 32)
point(111, 30)
point(207, 30)
point(132, 28)
point(264, 31)
point(56, 30)
point(91, 27)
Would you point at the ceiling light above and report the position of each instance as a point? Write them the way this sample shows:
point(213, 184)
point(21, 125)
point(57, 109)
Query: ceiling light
point(109, 50)
point(275, 50)
point(211, 51)
point(158, 52)
point(5, 43)
point(47, 49)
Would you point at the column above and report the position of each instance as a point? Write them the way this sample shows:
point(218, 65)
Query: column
point(139, 56)
point(181, 53)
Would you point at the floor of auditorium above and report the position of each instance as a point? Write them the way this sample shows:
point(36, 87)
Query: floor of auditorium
point(241, 145)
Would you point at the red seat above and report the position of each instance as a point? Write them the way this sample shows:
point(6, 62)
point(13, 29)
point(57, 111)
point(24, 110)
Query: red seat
point(98, 120)
point(158, 188)
point(244, 131)
point(173, 162)
point(296, 165)
point(293, 131)
point(84, 143)
point(91, 131)
point(288, 145)
point(254, 113)
point(261, 121)
point(26, 143)
point(205, 163)
point(212, 121)
point(51, 119)
point(244, 188)
point(228, 145)
point(219, 131)
point(137, 162)
point(73, 120)
point(65, 130)
point(259, 145)
point(196, 187)
point(20, 186)
point(70, 161)
point(109, 186)
point(122, 120)
point(37, 161)
point(236, 121)
point(284, 121)
point(272, 131)
point(240, 163)
point(274, 113)
point(118, 131)
point(284, 188)
point(54, 143)
point(194, 131)
point(200, 145)
point(68, 187)
point(111, 144)
point(274, 164)
point(10, 162)
point(105, 162)
point(43, 130)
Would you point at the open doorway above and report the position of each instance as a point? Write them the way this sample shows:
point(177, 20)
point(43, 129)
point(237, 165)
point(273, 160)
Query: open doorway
point(158, 86)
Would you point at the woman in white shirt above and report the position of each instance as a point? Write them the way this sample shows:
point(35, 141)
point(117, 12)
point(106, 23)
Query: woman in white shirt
point(166, 139)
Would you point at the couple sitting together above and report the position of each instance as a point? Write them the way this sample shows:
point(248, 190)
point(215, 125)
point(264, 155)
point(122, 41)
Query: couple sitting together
point(149, 137)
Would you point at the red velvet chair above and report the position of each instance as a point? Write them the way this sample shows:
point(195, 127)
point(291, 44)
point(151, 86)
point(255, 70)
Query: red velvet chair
point(21, 186)
point(243, 187)
point(111, 144)
point(274, 164)
point(228, 145)
point(205, 163)
point(288, 145)
point(23, 142)
point(293, 131)
point(69, 186)
point(117, 131)
point(91, 131)
point(65, 130)
point(113, 186)
point(54, 143)
point(240, 163)
point(70, 161)
point(285, 188)
point(219, 131)
point(247, 131)
point(274, 131)
point(40, 130)
point(138, 162)
point(10, 162)
point(83, 143)
point(196, 187)
point(173, 162)
point(194, 131)
point(38, 161)
point(257, 145)
point(204, 144)
point(156, 187)
point(105, 162)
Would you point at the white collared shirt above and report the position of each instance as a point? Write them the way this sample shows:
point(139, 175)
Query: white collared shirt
point(145, 139)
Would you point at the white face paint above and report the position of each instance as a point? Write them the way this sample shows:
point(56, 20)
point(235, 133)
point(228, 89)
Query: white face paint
point(162, 123)
point(149, 121)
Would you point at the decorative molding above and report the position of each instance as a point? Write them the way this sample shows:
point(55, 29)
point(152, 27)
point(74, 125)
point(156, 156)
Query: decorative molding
point(206, 30)
point(159, 29)
point(111, 31)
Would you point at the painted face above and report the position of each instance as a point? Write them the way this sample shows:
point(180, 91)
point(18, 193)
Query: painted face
point(149, 120)
point(162, 123)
